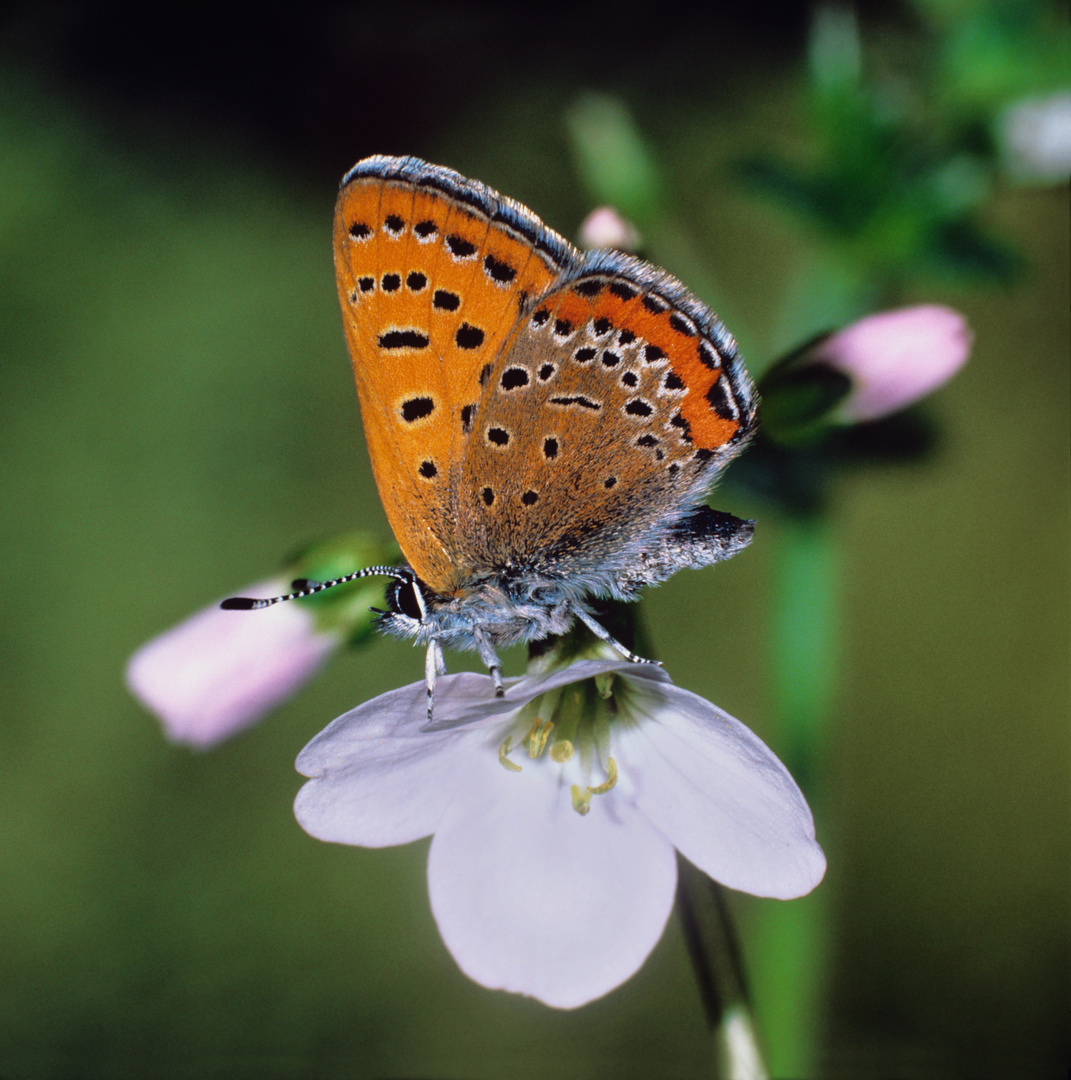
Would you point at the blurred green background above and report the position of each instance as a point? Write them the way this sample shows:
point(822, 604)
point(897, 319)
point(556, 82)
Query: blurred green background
point(178, 414)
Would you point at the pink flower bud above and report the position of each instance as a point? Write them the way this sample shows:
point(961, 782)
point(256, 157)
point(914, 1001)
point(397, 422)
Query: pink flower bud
point(895, 357)
point(604, 227)
point(219, 672)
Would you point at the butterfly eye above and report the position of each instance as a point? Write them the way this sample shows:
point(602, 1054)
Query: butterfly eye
point(404, 600)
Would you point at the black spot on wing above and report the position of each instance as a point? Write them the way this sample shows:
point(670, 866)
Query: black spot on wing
point(708, 357)
point(682, 325)
point(719, 400)
point(459, 247)
point(403, 339)
point(500, 272)
point(588, 288)
point(417, 408)
point(468, 336)
point(514, 378)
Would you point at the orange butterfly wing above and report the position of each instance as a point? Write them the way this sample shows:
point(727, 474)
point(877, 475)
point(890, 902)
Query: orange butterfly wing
point(614, 405)
point(432, 272)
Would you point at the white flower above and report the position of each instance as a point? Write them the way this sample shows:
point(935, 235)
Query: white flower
point(219, 672)
point(555, 812)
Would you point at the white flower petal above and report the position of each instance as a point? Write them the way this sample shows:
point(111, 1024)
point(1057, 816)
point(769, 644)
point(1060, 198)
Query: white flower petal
point(378, 779)
point(220, 671)
point(532, 898)
point(381, 776)
point(717, 792)
point(453, 709)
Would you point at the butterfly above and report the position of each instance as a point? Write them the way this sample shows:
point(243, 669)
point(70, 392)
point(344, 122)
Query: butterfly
point(542, 423)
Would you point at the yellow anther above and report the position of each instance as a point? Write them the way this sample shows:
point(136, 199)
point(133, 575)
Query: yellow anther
point(537, 737)
point(582, 796)
point(611, 779)
point(503, 756)
point(561, 751)
point(533, 732)
point(581, 799)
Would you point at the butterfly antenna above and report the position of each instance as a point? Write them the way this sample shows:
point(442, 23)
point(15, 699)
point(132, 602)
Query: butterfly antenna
point(305, 587)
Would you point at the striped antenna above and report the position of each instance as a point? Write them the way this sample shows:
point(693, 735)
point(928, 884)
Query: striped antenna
point(305, 587)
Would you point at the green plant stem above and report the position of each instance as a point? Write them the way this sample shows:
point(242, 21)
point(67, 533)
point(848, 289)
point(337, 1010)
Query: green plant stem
point(788, 943)
point(714, 949)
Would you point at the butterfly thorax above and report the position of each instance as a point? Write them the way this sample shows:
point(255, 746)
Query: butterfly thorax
point(511, 607)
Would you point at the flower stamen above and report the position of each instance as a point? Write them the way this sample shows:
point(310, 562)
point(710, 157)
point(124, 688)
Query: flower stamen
point(503, 756)
point(611, 779)
point(582, 796)
point(537, 737)
point(581, 799)
point(561, 751)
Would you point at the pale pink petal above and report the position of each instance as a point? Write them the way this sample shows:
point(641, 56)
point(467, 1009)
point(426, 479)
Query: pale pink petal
point(533, 898)
point(221, 671)
point(604, 227)
point(895, 357)
point(717, 792)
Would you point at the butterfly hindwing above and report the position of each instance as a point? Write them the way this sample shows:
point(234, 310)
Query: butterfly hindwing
point(616, 401)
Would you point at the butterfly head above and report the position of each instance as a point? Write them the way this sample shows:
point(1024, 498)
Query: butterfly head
point(407, 609)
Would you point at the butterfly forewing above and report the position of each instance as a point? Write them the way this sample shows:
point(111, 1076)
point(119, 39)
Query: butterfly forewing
point(431, 273)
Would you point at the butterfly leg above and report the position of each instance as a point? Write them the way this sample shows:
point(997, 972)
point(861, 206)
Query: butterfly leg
point(434, 665)
point(604, 635)
point(489, 657)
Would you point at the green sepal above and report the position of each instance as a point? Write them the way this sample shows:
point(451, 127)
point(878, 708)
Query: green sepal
point(800, 398)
